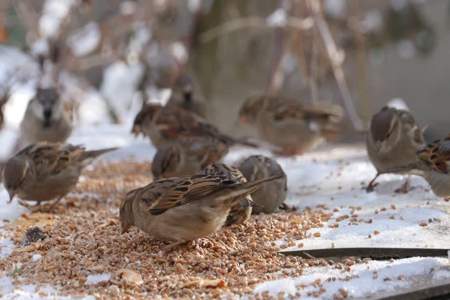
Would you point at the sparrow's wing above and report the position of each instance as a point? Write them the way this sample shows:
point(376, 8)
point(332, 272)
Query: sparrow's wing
point(52, 158)
point(437, 155)
point(164, 194)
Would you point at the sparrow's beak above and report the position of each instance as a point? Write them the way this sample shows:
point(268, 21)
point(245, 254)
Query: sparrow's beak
point(11, 196)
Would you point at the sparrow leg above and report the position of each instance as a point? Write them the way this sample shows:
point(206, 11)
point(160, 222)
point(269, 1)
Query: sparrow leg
point(54, 203)
point(372, 184)
point(406, 186)
point(173, 245)
point(286, 207)
point(26, 205)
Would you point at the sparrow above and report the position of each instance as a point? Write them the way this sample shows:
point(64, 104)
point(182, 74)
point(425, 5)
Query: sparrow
point(272, 195)
point(242, 209)
point(289, 124)
point(181, 209)
point(46, 171)
point(434, 166)
point(392, 142)
point(45, 119)
point(183, 96)
point(164, 124)
point(187, 156)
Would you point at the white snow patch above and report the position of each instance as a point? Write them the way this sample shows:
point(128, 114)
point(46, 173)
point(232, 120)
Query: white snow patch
point(85, 40)
point(97, 278)
point(179, 51)
point(36, 257)
point(6, 248)
point(118, 87)
point(278, 18)
point(54, 11)
point(398, 103)
point(363, 280)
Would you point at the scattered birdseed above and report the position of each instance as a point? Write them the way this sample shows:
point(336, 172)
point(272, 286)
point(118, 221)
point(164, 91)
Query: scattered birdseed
point(83, 238)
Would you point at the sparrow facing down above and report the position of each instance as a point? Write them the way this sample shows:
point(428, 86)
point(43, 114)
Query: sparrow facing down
point(181, 209)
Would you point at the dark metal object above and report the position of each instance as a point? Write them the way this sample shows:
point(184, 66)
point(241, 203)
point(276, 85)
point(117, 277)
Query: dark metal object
point(438, 292)
point(374, 253)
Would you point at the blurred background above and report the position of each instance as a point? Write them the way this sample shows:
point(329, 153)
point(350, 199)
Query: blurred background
point(109, 56)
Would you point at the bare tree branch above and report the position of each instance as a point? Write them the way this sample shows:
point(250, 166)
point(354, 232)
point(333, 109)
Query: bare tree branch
point(242, 23)
point(336, 57)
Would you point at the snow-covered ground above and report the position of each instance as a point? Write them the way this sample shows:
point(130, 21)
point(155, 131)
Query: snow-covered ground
point(330, 179)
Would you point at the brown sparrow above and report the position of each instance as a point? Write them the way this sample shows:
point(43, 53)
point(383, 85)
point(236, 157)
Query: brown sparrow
point(434, 166)
point(183, 96)
point(46, 171)
point(181, 209)
point(271, 196)
point(45, 119)
point(292, 126)
point(242, 209)
point(392, 141)
point(166, 124)
point(187, 156)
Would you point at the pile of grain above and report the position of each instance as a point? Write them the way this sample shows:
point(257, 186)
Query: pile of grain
point(83, 238)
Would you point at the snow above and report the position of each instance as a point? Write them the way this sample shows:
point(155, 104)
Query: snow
point(398, 103)
point(36, 257)
point(53, 13)
point(118, 87)
point(85, 40)
point(278, 18)
point(97, 278)
point(179, 51)
point(6, 248)
point(363, 280)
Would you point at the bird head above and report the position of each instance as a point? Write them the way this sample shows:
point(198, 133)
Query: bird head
point(385, 128)
point(47, 105)
point(144, 117)
point(126, 212)
point(250, 109)
point(14, 174)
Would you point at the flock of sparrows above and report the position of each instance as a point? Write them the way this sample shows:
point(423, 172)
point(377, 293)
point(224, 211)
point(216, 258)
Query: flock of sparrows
point(193, 194)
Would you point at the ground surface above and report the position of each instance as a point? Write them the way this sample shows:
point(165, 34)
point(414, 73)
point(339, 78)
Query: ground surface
point(84, 254)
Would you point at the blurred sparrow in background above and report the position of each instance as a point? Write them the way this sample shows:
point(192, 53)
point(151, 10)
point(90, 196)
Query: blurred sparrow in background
point(187, 156)
point(45, 119)
point(184, 96)
point(289, 124)
point(166, 124)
